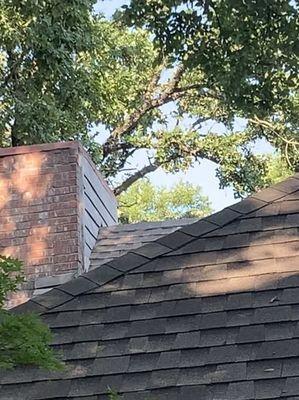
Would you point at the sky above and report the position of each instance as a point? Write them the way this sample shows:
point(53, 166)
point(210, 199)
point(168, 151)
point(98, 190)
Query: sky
point(202, 174)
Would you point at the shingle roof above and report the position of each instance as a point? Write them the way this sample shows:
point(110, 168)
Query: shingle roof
point(208, 312)
point(115, 241)
point(112, 242)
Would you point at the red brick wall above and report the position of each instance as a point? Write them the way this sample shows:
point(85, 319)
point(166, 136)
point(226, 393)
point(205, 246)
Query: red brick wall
point(39, 209)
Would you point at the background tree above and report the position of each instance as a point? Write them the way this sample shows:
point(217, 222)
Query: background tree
point(67, 74)
point(44, 85)
point(144, 201)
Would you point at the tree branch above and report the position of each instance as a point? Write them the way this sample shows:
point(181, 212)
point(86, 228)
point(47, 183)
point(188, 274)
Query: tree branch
point(150, 103)
point(268, 125)
point(133, 178)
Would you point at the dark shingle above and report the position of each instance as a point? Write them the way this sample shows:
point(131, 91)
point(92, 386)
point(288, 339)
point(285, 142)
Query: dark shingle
point(268, 389)
point(223, 217)
point(134, 382)
point(102, 275)
point(196, 375)
point(276, 349)
point(199, 228)
point(187, 339)
point(291, 387)
point(143, 362)
point(241, 391)
point(194, 357)
point(78, 286)
point(110, 365)
point(152, 250)
point(264, 369)
point(127, 262)
point(53, 298)
point(209, 311)
point(175, 239)
point(269, 194)
point(169, 359)
point(254, 333)
point(229, 372)
point(248, 205)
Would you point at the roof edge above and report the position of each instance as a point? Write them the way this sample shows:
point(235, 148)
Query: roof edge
point(44, 147)
point(37, 148)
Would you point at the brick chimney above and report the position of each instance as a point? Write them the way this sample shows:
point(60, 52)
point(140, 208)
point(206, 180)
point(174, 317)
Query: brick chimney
point(52, 203)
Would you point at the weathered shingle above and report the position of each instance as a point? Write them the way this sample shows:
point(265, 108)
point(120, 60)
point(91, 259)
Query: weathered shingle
point(210, 311)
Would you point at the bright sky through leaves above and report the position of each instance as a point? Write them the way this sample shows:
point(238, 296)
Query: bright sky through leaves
point(203, 174)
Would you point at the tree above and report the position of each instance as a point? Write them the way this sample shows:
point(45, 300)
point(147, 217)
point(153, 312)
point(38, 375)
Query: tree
point(67, 74)
point(278, 170)
point(242, 55)
point(24, 339)
point(44, 83)
point(144, 201)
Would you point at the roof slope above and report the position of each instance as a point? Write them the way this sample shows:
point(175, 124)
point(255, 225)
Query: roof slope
point(208, 312)
point(117, 240)
point(112, 242)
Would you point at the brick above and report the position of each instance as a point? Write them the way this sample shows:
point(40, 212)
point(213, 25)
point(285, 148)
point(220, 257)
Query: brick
point(41, 214)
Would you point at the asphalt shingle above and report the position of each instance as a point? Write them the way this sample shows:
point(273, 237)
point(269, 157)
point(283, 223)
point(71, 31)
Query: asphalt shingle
point(208, 311)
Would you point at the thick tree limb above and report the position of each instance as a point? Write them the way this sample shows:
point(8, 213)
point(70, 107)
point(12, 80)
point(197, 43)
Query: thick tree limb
point(133, 178)
point(169, 94)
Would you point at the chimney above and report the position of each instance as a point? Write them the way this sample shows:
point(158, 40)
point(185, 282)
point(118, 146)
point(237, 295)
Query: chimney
point(52, 203)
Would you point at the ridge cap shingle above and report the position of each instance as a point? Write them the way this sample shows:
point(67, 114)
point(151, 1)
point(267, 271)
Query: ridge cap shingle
point(147, 253)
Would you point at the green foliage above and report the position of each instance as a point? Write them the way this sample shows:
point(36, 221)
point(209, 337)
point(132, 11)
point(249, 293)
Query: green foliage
point(245, 48)
point(44, 84)
point(67, 74)
point(113, 395)
point(145, 202)
point(277, 170)
point(24, 339)
point(10, 276)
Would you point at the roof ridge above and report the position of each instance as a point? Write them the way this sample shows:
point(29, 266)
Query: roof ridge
point(149, 224)
point(150, 251)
